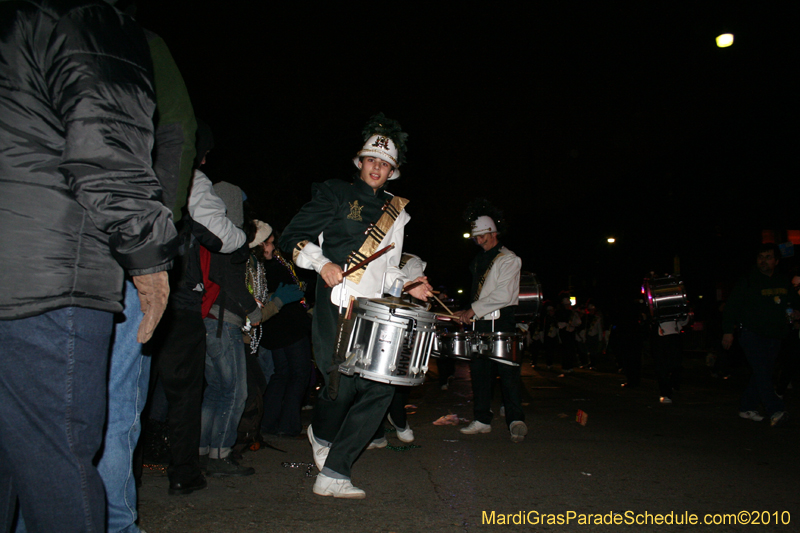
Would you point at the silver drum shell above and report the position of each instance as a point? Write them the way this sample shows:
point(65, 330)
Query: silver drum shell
point(390, 345)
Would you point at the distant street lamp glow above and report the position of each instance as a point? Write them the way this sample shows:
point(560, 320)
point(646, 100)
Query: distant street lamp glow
point(466, 235)
point(725, 40)
point(460, 291)
point(611, 240)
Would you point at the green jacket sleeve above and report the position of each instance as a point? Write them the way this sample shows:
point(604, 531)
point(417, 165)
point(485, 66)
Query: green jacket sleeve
point(174, 150)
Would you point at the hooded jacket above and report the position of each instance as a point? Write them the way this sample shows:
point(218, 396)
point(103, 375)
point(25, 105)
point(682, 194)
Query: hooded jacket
point(80, 202)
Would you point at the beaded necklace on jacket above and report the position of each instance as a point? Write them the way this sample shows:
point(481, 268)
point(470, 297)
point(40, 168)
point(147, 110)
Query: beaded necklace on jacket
point(256, 280)
point(290, 267)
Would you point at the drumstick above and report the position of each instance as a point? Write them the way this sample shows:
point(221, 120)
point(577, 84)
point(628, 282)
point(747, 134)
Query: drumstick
point(366, 261)
point(442, 304)
point(411, 286)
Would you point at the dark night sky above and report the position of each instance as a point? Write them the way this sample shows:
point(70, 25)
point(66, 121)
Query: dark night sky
point(578, 121)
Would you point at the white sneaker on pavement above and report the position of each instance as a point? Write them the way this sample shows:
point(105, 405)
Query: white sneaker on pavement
point(320, 451)
point(378, 443)
point(751, 415)
point(518, 430)
point(476, 427)
point(338, 488)
point(405, 435)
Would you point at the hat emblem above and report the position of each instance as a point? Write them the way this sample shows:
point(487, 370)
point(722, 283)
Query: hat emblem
point(381, 142)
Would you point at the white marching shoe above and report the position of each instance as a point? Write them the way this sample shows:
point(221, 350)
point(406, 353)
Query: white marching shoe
point(320, 451)
point(518, 430)
point(476, 427)
point(406, 434)
point(338, 488)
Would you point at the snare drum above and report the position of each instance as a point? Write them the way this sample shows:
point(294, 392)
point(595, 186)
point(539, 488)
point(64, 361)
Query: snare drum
point(391, 342)
point(666, 297)
point(501, 347)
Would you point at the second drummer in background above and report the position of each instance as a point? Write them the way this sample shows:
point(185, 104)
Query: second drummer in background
point(495, 287)
point(343, 224)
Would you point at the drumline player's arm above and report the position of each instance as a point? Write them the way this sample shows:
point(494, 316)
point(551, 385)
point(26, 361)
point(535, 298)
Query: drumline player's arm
point(421, 291)
point(307, 228)
point(414, 269)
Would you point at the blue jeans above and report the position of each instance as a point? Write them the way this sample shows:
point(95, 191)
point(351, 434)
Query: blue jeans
point(52, 410)
point(128, 381)
point(761, 353)
point(226, 390)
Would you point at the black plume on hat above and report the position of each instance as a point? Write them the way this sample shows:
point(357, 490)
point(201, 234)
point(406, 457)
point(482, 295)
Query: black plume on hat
point(380, 124)
point(481, 207)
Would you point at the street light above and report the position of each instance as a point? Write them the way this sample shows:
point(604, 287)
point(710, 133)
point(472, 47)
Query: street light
point(724, 40)
point(611, 240)
point(466, 235)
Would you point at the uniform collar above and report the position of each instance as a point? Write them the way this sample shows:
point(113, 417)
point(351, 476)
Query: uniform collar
point(367, 190)
point(494, 251)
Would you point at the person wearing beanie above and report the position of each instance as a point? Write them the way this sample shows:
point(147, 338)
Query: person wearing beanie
point(283, 336)
point(495, 289)
point(344, 223)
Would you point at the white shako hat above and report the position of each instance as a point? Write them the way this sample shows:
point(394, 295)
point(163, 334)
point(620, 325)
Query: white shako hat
point(483, 225)
point(383, 148)
point(384, 139)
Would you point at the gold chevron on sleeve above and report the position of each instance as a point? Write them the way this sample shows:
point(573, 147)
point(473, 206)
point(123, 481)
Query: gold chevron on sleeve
point(297, 249)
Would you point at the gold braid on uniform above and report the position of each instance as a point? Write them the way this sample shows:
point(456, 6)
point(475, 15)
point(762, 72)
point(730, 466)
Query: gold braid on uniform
point(375, 234)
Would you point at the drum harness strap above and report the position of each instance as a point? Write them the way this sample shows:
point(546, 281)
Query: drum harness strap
point(480, 285)
point(375, 234)
point(483, 278)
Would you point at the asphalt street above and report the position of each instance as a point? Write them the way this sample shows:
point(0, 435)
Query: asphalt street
point(635, 461)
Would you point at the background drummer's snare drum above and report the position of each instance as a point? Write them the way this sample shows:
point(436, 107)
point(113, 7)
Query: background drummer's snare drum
point(502, 347)
point(391, 342)
point(666, 297)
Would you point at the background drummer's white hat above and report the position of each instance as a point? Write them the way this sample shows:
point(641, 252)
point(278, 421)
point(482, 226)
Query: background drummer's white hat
point(483, 225)
point(383, 148)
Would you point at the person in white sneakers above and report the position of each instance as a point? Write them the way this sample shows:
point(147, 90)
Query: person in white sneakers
point(495, 287)
point(343, 224)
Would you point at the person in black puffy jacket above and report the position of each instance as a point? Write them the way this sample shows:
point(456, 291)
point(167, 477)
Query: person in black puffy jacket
point(80, 205)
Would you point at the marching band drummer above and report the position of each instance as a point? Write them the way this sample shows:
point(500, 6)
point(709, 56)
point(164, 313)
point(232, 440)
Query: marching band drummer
point(495, 286)
point(343, 224)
